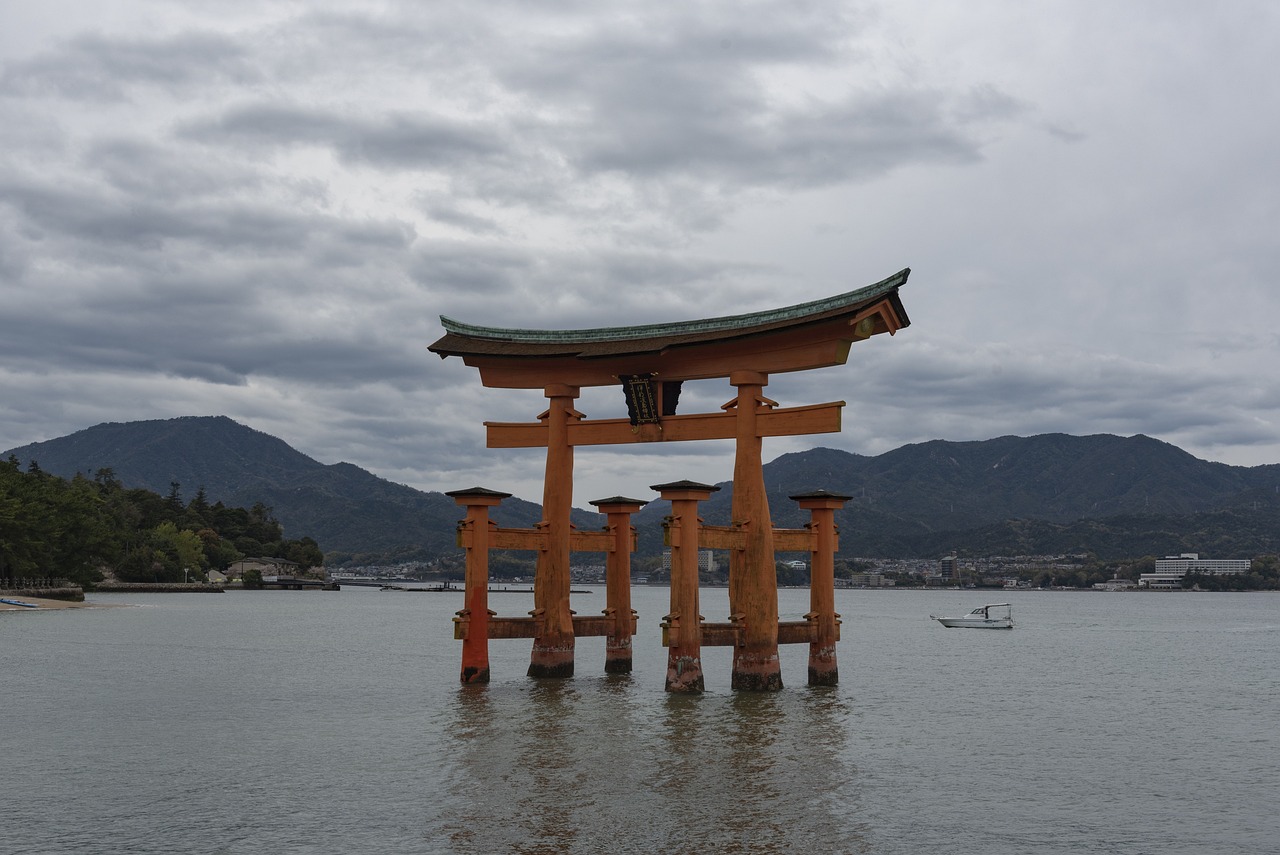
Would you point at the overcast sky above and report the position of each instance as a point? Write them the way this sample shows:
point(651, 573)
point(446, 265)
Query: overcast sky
point(261, 209)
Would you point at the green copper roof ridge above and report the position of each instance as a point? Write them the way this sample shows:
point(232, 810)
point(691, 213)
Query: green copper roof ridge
point(727, 322)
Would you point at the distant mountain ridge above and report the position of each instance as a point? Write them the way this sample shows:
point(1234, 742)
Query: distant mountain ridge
point(1009, 495)
point(1046, 494)
point(1055, 477)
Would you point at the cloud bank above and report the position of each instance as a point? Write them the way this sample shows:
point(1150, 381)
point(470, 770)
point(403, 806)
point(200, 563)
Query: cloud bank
point(261, 212)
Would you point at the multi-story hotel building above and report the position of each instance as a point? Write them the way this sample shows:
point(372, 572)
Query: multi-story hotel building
point(1170, 569)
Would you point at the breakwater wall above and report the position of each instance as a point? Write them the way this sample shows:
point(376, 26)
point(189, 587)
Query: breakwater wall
point(157, 588)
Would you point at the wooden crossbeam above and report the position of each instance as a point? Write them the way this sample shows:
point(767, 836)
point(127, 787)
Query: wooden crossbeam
point(795, 540)
point(584, 626)
point(535, 539)
point(709, 537)
point(734, 537)
point(596, 541)
point(720, 634)
point(518, 538)
point(515, 627)
point(728, 634)
point(722, 537)
point(783, 421)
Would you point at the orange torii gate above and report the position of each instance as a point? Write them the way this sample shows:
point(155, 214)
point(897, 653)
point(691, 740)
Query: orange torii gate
point(650, 362)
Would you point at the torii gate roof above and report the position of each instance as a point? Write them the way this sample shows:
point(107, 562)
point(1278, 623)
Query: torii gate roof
point(816, 334)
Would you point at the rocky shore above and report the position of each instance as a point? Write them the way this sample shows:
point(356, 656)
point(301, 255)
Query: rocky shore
point(72, 596)
point(70, 593)
point(47, 604)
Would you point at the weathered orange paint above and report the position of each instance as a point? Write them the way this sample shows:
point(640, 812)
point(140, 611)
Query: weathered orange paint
point(682, 626)
point(823, 670)
point(620, 616)
point(753, 579)
point(783, 421)
point(472, 622)
point(535, 540)
point(734, 537)
point(552, 654)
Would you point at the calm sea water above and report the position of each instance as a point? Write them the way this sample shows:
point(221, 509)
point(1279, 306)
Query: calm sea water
point(283, 722)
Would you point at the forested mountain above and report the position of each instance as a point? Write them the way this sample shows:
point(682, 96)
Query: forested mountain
point(350, 512)
point(1053, 493)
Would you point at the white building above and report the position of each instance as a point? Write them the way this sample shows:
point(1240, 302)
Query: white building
point(706, 560)
point(1171, 569)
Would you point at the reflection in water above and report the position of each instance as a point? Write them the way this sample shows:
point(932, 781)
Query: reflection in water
point(546, 763)
point(753, 764)
point(763, 772)
point(604, 764)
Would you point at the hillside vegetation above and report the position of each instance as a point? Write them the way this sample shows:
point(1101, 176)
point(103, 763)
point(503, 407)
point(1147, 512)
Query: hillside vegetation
point(53, 527)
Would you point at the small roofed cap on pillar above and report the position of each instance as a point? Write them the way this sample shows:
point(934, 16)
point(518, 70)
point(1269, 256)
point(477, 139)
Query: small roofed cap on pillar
point(819, 494)
point(618, 500)
point(477, 492)
point(684, 485)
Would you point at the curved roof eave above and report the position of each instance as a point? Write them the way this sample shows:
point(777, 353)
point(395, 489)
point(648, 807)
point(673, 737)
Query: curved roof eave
point(458, 332)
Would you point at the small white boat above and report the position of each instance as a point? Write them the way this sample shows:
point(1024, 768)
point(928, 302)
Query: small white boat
point(982, 618)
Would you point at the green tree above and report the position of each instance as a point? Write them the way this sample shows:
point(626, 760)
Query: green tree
point(305, 553)
point(83, 536)
point(174, 499)
point(788, 575)
point(50, 526)
point(19, 541)
point(179, 550)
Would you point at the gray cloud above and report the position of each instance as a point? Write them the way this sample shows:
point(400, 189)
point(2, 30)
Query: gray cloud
point(95, 67)
point(395, 142)
point(262, 212)
point(462, 219)
point(712, 95)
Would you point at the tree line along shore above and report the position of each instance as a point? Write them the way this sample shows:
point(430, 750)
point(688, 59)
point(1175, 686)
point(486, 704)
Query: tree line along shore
point(89, 531)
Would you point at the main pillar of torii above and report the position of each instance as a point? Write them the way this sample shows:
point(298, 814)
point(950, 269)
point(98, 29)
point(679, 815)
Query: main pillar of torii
point(650, 362)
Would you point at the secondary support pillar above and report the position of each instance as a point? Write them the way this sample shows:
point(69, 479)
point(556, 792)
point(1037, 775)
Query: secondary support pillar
point(552, 654)
point(822, 507)
point(472, 622)
point(682, 627)
point(753, 577)
point(617, 650)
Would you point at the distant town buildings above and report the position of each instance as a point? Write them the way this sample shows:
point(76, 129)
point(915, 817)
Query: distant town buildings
point(1115, 584)
point(992, 571)
point(865, 580)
